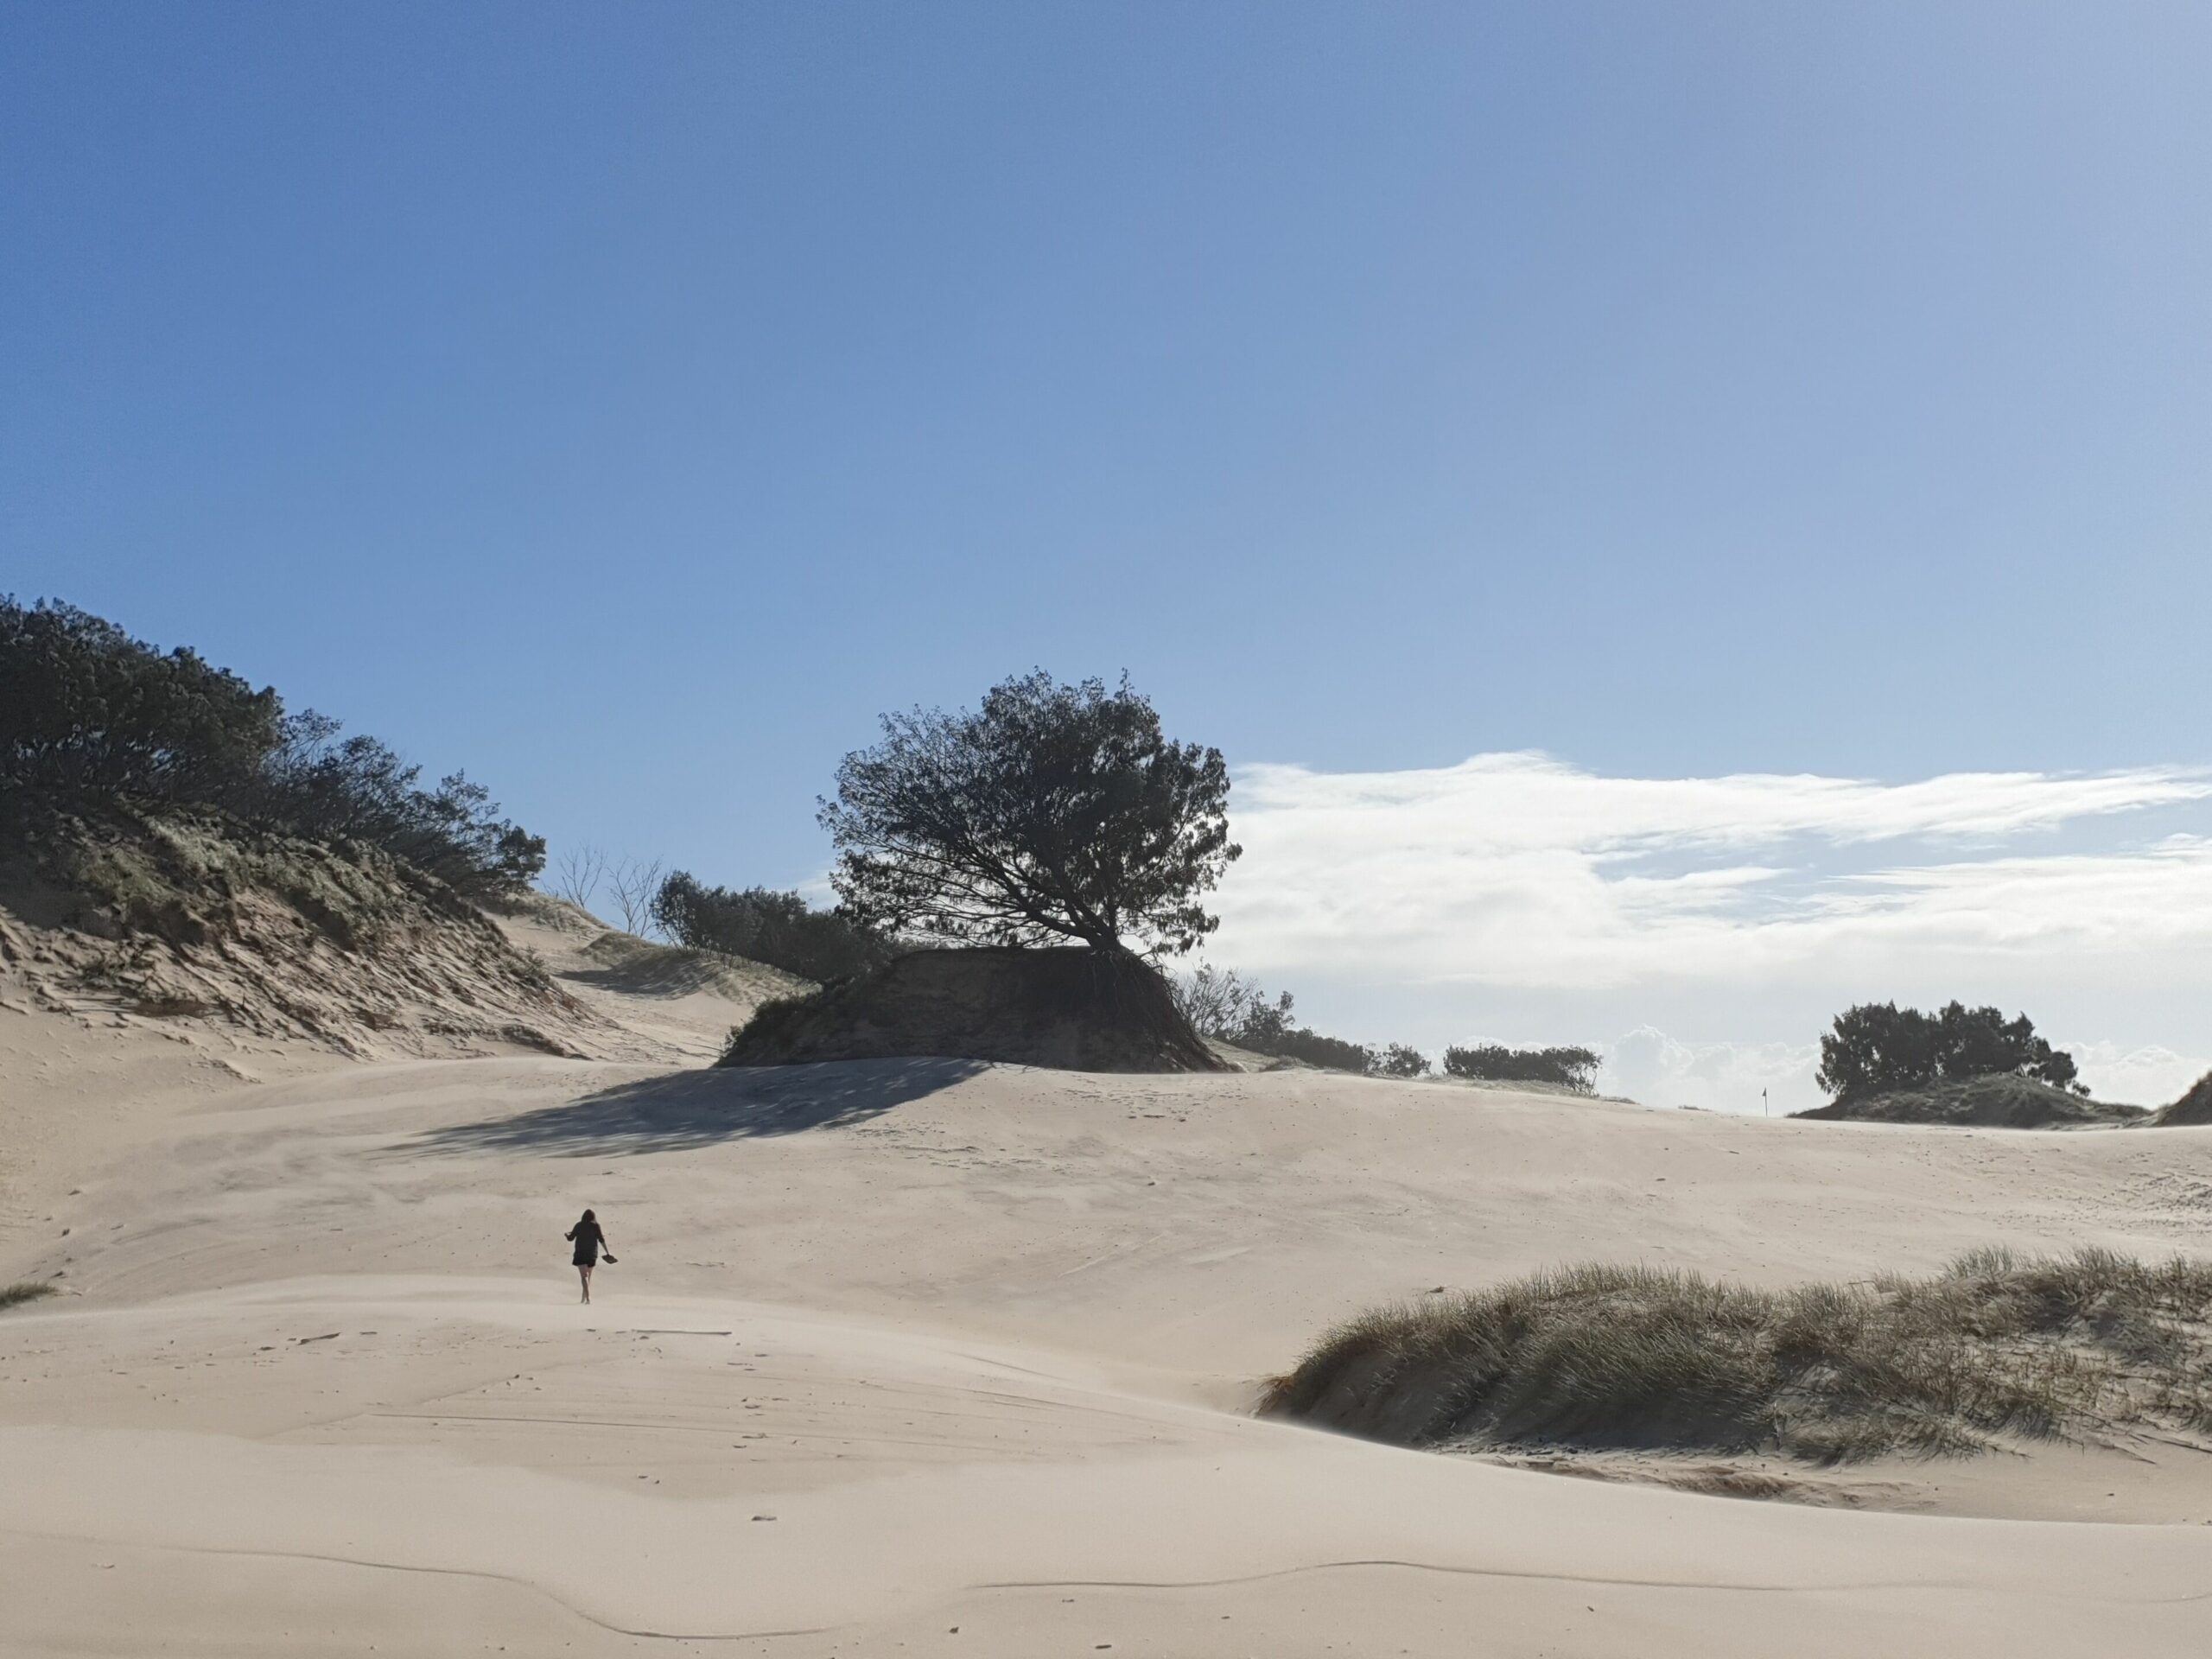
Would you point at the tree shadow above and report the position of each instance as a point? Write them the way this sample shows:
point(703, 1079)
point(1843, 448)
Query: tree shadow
point(683, 1110)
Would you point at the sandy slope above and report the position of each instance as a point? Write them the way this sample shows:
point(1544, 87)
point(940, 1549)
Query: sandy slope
point(930, 1358)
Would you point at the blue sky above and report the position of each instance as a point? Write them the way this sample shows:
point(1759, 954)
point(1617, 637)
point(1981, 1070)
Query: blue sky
point(629, 403)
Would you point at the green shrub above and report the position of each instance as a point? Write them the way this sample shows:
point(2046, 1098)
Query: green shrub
point(1570, 1068)
point(1397, 1060)
point(1221, 1003)
point(779, 929)
point(1300, 1043)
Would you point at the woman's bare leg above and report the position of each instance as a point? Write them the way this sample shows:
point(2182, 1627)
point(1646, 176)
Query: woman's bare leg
point(584, 1273)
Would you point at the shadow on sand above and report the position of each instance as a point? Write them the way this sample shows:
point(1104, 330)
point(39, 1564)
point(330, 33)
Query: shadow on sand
point(686, 1109)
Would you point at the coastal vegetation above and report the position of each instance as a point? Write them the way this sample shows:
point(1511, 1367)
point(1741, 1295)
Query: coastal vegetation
point(1572, 1069)
point(92, 721)
point(1223, 1005)
point(1051, 814)
point(1613, 1357)
point(1876, 1047)
point(779, 929)
point(2000, 1101)
point(1051, 844)
point(174, 844)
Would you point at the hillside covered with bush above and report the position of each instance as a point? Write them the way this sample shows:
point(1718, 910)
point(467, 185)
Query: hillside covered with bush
point(92, 719)
point(174, 844)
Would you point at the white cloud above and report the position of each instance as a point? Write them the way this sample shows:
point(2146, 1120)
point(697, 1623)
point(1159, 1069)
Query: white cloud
point(1651, 1066)
point(1516, 869)
point(1516, 891)
point(1528, 800)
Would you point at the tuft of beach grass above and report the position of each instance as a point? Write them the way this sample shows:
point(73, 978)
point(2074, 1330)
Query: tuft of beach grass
point(1601, 1356)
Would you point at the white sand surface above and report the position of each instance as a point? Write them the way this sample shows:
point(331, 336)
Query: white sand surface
point(929, 1358)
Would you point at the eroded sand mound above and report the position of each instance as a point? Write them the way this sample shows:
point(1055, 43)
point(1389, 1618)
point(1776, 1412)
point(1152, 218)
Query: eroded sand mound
point(1075, 1010)
point(199, 919)
point(2000, 1102)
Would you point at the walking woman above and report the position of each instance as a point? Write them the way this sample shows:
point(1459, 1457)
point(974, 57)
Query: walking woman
point(590, 1242)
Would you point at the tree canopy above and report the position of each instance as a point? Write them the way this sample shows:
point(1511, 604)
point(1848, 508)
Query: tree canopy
point(1877, 1047)
point(85, 708)
point(1052, 813)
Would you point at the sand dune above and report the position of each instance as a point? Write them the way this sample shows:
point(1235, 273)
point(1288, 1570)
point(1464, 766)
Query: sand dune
point(933, 1357)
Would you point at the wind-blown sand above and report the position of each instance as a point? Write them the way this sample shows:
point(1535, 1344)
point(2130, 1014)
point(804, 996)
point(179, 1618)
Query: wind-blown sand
point(927, 1357)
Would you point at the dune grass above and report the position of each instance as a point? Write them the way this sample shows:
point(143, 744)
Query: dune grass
point(23, 1291)
point(1638, 1358)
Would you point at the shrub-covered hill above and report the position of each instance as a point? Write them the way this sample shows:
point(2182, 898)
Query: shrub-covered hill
point(185, 913)
point(174, 844)
point(2002, 1103)
point(92, 719)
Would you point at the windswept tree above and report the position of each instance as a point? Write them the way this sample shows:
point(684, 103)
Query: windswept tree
point(1054, 813)
point(1877, 1046)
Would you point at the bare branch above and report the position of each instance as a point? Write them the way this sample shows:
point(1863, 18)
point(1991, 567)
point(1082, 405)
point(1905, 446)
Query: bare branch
point(576, 875)
point(634, 882)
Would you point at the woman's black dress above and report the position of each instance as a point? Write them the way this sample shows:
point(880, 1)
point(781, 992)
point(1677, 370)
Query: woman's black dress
point(590, 1242)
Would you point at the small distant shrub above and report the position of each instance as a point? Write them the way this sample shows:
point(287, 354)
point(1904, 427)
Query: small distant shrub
point(1221, 1003)
point(1877, 1047)
point(1399, 1061)
point(779, 929)
point(25, 1291)
point(1331, 1053)
point(1570, 1068)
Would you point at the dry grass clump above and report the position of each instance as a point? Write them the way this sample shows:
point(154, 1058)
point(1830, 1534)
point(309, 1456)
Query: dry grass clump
point(2193, 1108)
point(1638, 1358)
point(23, 1291)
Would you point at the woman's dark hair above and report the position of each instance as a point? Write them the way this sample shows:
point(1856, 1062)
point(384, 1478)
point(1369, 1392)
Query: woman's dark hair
point(589, 1217)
